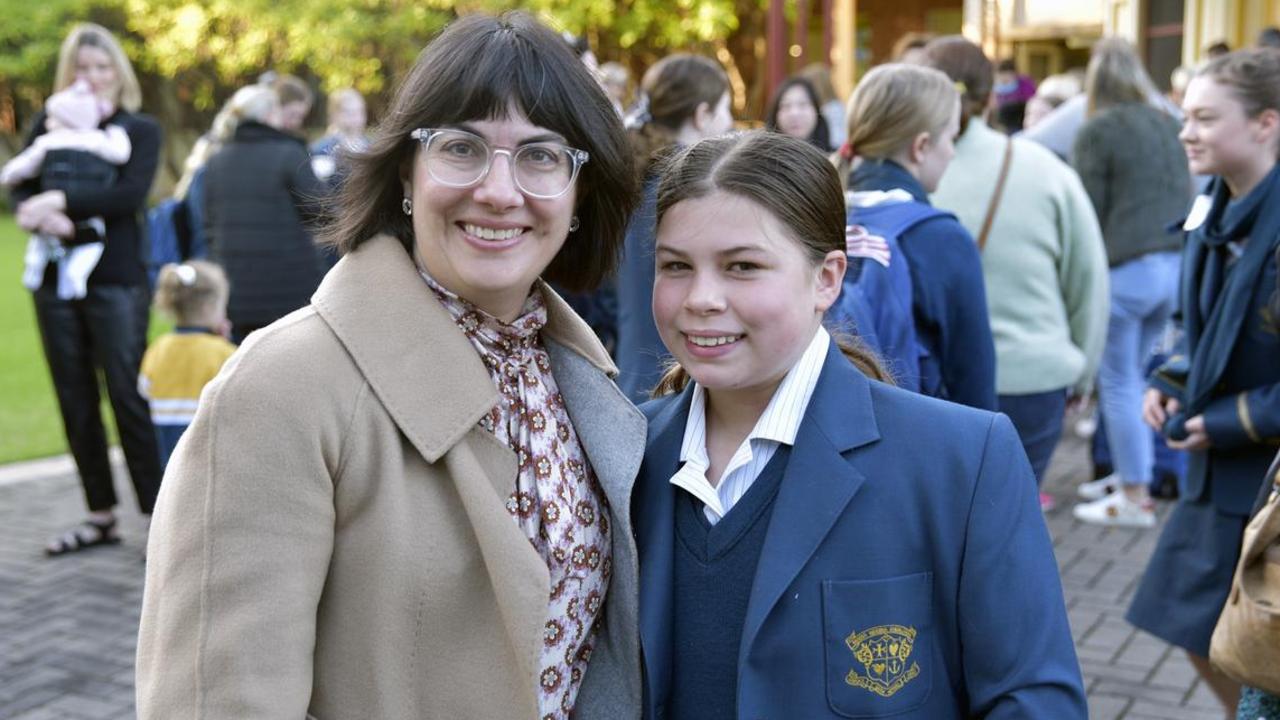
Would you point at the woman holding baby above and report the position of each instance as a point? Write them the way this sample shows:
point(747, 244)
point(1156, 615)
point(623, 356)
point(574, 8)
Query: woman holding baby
point(81, 203)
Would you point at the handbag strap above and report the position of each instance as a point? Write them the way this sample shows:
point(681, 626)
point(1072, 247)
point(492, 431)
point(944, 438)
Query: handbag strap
point(995, 197)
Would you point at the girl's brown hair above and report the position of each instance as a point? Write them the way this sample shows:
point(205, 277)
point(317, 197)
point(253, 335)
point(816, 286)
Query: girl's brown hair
point(672, 90)
point(892, 105)
point(787, 177)
point(192, 293)
point(1253, 76)
point(482, 67)
point(966, 64)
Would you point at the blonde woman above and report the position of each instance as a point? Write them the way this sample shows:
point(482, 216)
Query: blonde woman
point(260, 193)
point(103, 334)
point(190, 188)
point(348, 119)
point(902, 122)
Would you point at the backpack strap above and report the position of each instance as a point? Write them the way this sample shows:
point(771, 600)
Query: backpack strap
point(995, 196)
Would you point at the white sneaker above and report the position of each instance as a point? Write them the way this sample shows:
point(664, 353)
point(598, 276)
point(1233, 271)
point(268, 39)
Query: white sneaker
point(1115, 510)
point(1100, 488)
point(1086, 426)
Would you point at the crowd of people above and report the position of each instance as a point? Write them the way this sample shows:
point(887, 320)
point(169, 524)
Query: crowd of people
point(404, 470)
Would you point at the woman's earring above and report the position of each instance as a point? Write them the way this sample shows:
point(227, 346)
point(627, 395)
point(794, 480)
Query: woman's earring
point(407, 206)
point(574, 224)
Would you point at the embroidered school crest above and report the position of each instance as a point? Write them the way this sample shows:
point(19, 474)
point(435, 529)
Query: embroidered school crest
point(885, 654)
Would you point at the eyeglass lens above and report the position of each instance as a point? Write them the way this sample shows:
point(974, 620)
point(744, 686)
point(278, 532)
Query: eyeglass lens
point(462, 159)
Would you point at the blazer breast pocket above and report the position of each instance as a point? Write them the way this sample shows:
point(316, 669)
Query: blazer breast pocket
point(878, 644)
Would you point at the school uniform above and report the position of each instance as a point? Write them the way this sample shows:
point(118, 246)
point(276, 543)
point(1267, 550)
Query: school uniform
point(174, 371)
point(1227, 368)
point(849, 574)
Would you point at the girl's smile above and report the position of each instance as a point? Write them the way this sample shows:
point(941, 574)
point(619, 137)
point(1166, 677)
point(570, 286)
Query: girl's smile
point(736, 299)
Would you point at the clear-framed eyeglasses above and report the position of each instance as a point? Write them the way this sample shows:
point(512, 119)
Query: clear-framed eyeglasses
point(460, 159)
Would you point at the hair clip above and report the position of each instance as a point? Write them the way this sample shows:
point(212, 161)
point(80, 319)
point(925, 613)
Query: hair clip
point(639, 115)
point(847, 152)
point(186, 275)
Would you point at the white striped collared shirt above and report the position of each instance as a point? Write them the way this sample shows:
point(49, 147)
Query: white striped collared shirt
point(778, 425)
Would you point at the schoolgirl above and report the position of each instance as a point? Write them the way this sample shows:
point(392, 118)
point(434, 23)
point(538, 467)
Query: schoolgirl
point(903, 120)
point(683, 99)
point(799, 555)
point(178, 365)
point(1218, 397)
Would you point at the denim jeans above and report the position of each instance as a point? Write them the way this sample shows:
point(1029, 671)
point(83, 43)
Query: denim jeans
point(1038, 419)
point(1144, 293)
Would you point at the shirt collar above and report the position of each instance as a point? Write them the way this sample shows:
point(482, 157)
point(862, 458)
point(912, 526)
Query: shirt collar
point(780, 421)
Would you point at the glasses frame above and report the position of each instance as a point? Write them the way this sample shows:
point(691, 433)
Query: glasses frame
point(578, 157)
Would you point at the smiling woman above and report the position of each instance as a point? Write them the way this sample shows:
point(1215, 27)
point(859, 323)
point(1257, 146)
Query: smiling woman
point(433, 450)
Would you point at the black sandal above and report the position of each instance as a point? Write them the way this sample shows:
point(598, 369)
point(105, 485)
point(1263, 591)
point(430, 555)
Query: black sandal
point(87, 534)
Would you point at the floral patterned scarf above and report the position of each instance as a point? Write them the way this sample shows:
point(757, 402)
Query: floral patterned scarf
point(557, 501)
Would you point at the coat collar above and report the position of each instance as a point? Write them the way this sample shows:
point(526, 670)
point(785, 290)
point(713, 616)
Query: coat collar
point(417, 362)
point(817, 486)
point(252, 131)
point(1213, 338)
point(886, 174)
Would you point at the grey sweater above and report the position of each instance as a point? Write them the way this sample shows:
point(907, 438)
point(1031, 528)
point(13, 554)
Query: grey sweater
point(1135, 171)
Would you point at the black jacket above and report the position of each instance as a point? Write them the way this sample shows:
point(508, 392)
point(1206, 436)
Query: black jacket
point(259, 195)
point(119, 205)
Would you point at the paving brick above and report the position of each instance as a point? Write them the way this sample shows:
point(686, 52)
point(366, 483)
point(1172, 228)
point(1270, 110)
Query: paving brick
point(1104, 707)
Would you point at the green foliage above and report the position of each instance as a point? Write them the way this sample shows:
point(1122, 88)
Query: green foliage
point(203, 49)
point(218, 43)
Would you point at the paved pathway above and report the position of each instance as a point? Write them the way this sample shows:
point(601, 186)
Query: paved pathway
point(67, 625)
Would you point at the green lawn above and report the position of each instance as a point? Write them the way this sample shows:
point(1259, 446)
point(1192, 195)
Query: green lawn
point(29, 423)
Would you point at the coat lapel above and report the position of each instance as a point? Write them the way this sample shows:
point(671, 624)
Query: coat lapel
point(432, 383)
point(655, 535)
point(816, 487)
point(417, 362)
point(612, 433)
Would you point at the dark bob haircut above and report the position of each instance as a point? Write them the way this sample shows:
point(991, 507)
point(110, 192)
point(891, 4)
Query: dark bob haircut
point(483, 68)
point(821, 135)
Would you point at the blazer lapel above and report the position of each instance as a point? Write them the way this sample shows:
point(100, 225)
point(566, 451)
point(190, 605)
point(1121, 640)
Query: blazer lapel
point(655, 536)
point(816, 486)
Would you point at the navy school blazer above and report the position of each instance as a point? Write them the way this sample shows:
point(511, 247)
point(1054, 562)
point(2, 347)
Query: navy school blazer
point(904, 525)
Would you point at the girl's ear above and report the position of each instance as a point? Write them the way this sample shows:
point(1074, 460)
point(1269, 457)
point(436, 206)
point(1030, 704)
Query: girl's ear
point(702, 115)
point(830, 280)
point(918, 145)
point(1268, 124)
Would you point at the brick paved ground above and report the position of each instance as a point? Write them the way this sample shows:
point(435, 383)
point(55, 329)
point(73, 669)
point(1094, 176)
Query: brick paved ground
point(67, 625)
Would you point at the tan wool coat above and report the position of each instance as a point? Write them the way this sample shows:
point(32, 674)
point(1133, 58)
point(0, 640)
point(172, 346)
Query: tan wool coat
point(331, 538)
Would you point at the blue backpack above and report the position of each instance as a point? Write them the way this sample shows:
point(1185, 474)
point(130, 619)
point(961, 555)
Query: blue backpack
point(168, 236)
point(875, 302)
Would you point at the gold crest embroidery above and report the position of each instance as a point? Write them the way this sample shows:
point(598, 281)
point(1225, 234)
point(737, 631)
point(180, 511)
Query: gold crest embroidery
point(884, 652)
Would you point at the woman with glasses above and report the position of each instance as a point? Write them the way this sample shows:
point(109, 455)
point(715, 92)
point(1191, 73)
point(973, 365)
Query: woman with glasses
point(410, 499)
